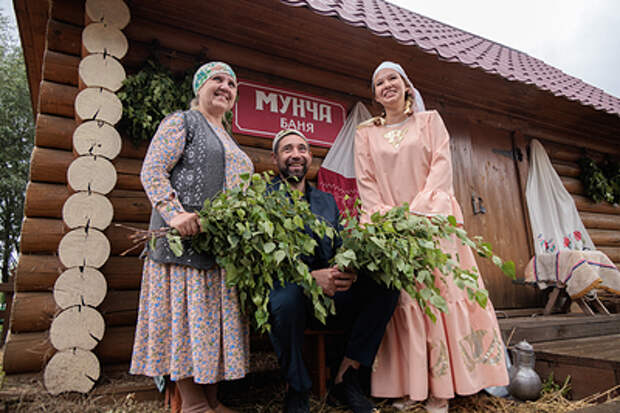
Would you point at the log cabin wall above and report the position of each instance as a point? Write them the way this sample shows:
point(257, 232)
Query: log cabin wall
point(481, 137)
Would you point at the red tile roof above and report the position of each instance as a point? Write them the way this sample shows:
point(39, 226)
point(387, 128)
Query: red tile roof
point(406, 27)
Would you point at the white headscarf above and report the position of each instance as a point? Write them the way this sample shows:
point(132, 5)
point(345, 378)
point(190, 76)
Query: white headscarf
point(419, 103)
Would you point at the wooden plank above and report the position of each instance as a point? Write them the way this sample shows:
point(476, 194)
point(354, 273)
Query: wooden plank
point(573, 185)
point(605, 237)
point(566, 170)
point(496, 182)
point(584, 380)
point(609, 407)
point(558, 327)
point(586, 205)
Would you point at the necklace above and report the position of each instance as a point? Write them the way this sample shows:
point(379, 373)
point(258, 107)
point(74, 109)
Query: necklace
point(396, 136)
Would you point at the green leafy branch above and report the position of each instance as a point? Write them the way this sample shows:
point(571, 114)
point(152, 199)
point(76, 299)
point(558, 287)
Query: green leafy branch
point(596, 183)
point(402, 250)
point(256, 234)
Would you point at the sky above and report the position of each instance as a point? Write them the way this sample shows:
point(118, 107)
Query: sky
point(579, 37)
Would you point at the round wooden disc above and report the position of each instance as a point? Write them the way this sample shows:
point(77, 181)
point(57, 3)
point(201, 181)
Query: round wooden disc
point(91, 173)
point(78, 326)
point(71, 370)
point(99, 104)
point(80, 248)
point(114, 13)
point(96, 137)
point(87, 209)
point(102, 38)
point(98, 70)
point(80, 286)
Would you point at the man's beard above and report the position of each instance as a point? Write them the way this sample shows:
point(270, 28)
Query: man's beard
point(293, 177)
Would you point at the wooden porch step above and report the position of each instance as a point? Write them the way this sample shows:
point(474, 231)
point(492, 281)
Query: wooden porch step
point(558, 327)
point(612, 407)
point(593, 363)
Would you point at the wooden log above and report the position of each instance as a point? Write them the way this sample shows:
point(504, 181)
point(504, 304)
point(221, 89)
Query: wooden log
point(78, 326)
point(60, 67)
point(91, 173)
point(612, 252)
point(32, 311)
point(57, 132)
point(42, 236)
point(67, 11)
point(572, 185)
point(28, 352)
point(566, 170)
point(99, 70)
point(605, 237)
point(89, 247)
point(97, 138)
point(47, 200)
point(37, 310)
point(113, 13)
point(37, 272)
point(50, 165)
point(98, 104)
point(80, 286)
point(586, 205)
point(71, 370)
point(57, 99)
point(599, 221)
point(54, 131)
point(101, 38)
point(40, 272)
point(64, 38)
point(84, 209)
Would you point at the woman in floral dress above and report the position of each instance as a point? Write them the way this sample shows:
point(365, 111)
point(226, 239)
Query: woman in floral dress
point(189, 323)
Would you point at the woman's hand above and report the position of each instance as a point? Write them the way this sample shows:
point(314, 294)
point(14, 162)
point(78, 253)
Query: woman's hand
point(187, 223)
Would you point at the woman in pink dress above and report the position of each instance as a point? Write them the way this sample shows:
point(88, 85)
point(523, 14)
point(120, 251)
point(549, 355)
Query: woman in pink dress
point(404, 156)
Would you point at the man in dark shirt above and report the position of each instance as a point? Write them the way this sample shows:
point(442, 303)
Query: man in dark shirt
point(363, 308)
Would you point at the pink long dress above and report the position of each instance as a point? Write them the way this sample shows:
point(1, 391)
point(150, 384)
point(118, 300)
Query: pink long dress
point(462, 352)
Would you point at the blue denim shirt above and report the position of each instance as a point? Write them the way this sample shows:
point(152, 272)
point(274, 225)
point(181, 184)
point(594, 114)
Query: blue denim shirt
point(322, 205)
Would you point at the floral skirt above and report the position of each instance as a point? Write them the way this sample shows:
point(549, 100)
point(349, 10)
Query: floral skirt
point(189, 325)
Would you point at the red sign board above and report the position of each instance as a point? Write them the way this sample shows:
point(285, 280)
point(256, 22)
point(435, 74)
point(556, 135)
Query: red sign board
point(263, 110)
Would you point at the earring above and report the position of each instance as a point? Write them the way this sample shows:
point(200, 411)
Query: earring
point(408, 104)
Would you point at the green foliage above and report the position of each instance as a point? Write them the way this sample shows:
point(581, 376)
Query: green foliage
point(257, 237)
point(549, 386)
point(16, 140)
point(401, 250)
point(150, 95)
point(611, 170)
point(600, 184)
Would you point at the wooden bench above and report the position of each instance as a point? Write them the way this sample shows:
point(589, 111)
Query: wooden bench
point(315, 358)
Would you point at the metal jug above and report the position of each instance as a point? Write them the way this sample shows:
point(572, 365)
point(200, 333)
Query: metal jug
point(525, 383)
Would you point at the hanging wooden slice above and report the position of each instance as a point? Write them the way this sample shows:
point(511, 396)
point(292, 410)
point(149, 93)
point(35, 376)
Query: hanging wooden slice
point(102, 38)
point(84, 248)
point(79, 326)
point(96, 137)
point(97, 103)
point(99, 70)
point(71, 370)
point(84, 209)
point(92, 174)
point(80, 286)
point(114, 13)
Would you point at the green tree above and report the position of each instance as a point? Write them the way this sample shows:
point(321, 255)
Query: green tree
point(16, 140)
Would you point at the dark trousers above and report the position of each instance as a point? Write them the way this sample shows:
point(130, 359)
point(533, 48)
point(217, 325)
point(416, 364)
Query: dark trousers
point(362, 313)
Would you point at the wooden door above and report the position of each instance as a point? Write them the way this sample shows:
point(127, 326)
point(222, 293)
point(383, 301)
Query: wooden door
point(483, 169)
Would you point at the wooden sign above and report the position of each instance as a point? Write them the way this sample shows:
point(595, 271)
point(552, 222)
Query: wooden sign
point(263, 110)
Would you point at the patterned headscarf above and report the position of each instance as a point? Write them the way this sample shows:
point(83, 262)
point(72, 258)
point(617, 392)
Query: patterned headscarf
point(207, 71)
point(419, 103)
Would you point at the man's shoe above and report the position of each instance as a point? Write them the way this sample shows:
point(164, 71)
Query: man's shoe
point(349, 393)
point(296, 402)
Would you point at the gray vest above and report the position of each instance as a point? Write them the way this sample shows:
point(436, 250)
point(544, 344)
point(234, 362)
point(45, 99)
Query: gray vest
point(198, 175)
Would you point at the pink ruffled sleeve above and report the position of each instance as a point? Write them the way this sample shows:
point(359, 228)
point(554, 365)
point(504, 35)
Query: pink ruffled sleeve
point(367, 185)
point(164, 152)
point(437, 195)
